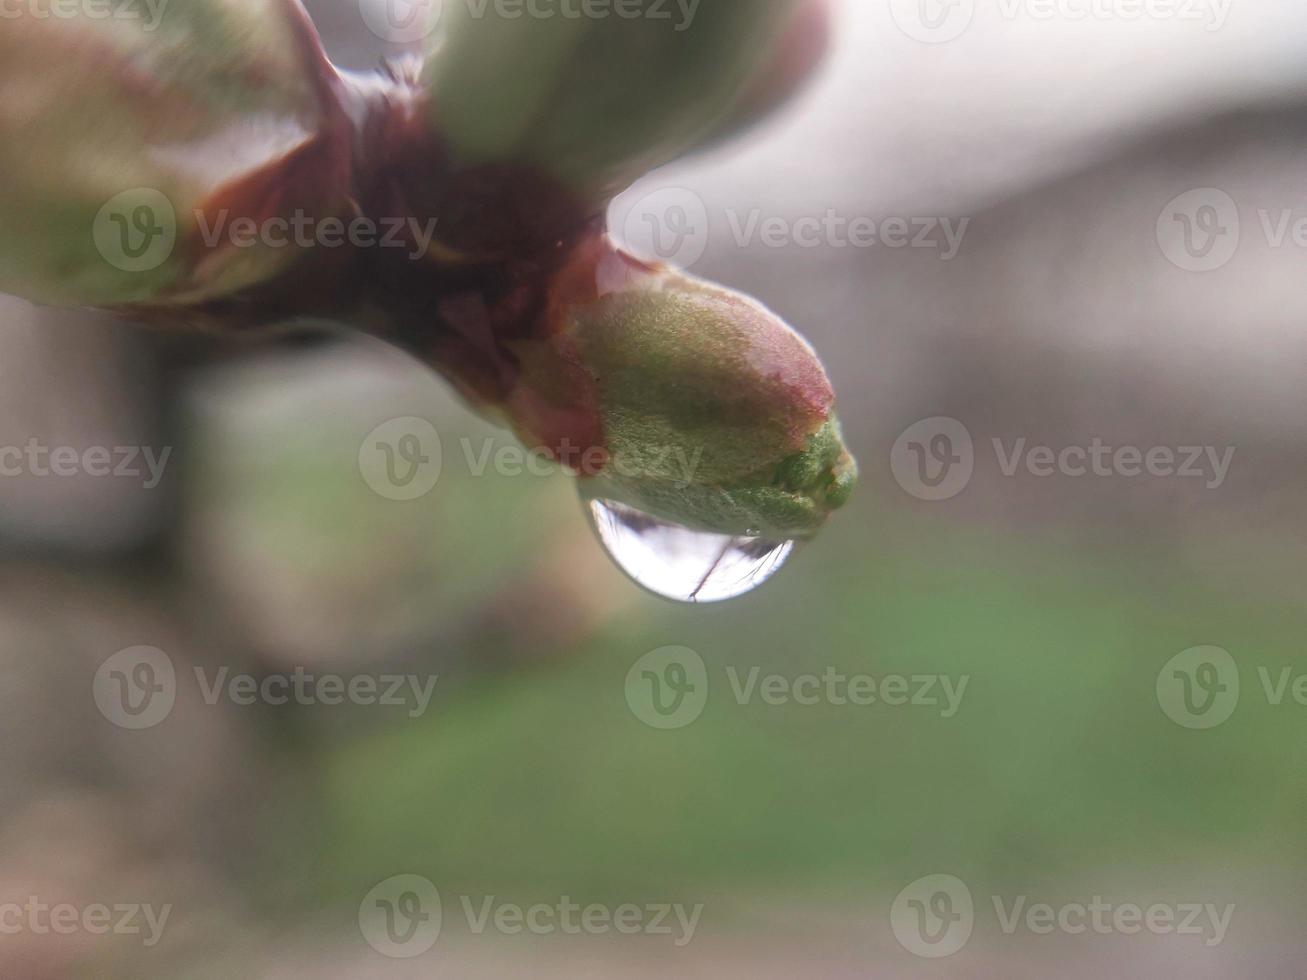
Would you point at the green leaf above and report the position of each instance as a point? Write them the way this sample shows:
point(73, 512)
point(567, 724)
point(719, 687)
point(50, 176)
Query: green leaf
point(129, 129)
point(596, 102)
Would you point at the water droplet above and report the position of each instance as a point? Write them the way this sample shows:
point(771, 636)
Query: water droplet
point(682, 564)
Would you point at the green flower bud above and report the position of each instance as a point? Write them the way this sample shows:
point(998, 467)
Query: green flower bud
point(712, 412)
point(594, 103)
point(127, 141)
point(793, 58)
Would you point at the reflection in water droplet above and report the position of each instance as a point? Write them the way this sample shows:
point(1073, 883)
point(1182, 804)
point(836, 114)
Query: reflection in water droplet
point(678, 563)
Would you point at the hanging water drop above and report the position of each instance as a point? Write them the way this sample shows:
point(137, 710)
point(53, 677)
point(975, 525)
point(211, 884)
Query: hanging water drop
point(678, 563)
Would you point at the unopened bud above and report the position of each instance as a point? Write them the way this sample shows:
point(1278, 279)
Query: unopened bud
point(713, 413)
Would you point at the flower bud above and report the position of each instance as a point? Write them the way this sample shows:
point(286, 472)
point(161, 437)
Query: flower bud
point(712, 412)
point(792, 59)
point(130, 145)
point(594, 103)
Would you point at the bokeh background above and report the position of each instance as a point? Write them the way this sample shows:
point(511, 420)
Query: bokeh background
point(1069, 769)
